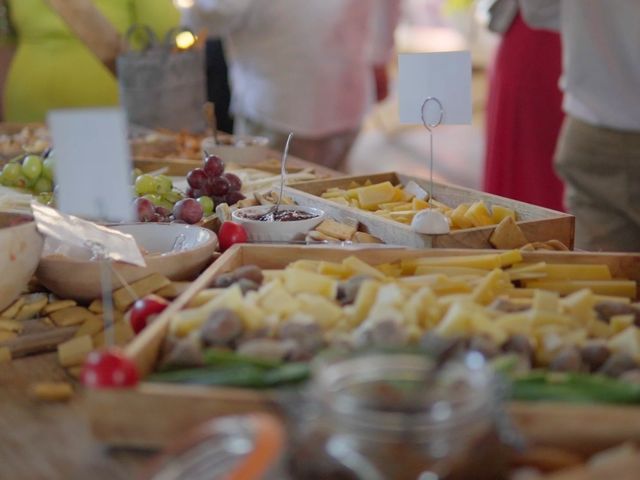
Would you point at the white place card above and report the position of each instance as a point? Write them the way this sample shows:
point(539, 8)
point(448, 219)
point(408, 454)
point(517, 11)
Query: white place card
point(93, 163)
point(442, 75)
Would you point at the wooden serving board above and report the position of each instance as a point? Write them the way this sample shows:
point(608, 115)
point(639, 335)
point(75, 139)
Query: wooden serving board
point(152, 414)
point(537, 223)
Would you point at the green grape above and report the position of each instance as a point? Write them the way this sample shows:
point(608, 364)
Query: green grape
point(11, 173)
point(145, 184)
point(43, 185)
point(207, 205)
point(21, 182)
point(47, 168)
point(165, 204)
point(45, 198)
point(163, 184)
point(136, 173)
point(32, 166)
point(173, 196)
point(153, 198)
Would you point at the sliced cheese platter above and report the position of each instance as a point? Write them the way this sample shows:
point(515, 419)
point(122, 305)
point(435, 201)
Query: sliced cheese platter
point(385, 204)
point(552, 321)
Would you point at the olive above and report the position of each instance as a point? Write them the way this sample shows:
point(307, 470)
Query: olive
point(594, 353)
point(222, 327)
point(566, 360)
point(617, 364)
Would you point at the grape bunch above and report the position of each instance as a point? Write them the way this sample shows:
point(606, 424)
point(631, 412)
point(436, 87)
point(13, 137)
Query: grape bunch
point(32, 173)
point(211, 186)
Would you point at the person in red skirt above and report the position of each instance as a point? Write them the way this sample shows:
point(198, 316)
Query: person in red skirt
point(524, 113)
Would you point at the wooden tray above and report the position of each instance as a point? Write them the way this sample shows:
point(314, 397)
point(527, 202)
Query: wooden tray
point(270, 163)
point(538, 224)
point(151, 414)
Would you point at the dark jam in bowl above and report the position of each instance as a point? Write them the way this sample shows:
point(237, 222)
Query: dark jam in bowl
point(280, 216)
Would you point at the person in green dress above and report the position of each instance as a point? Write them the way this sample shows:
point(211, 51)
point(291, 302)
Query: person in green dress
point(52, 68)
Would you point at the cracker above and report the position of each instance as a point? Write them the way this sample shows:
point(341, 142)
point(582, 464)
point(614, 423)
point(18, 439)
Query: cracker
point(337, 230)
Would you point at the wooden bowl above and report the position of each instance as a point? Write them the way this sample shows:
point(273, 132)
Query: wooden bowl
point(80, 279)
point(20, 249)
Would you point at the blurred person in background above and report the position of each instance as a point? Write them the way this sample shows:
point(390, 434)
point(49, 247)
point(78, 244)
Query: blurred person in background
point(52, 68)
point(598, 153)
point(524, 112)
point(311, 68)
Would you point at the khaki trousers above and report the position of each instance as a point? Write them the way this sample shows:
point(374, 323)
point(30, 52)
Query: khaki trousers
point(601, 168)
point(330, 151)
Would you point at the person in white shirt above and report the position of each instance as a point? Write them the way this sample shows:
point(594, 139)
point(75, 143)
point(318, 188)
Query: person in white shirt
point(598, 153)
point(305, 67)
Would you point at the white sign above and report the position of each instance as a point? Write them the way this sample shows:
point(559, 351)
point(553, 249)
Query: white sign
point(92, 163)
point(445, 76)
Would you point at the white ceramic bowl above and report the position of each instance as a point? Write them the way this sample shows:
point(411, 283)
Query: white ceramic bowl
point(259, 231)
point(20, 249)
point(80, 279)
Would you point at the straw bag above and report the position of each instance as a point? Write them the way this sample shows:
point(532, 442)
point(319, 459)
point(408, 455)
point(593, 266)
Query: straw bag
point(159, 86)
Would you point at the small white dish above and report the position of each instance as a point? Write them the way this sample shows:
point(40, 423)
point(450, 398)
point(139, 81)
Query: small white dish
point(175, 250)
point(265, 231)
point(430, 222)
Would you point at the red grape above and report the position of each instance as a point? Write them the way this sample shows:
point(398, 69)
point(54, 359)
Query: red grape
point(145, 209)
point(163, 212)
point(234, 197)
point(235, 184)
point(217, 187)
point(108, 369)
point(189, 193)
point(188, 210)
point(143, 309)
point(213, 166)
point(197, 178)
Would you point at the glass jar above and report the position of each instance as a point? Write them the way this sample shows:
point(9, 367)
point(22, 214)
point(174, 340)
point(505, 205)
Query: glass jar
point(401, 417)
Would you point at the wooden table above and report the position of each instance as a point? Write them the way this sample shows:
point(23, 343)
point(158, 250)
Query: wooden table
point(52, 441)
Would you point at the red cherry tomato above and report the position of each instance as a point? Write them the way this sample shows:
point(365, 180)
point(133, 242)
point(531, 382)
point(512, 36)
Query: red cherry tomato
point(143, 308)
point(108, 369)
point(231, 233)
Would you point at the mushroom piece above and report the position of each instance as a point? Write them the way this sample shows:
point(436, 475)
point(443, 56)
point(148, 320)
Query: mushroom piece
point(566, 360)
point(221, 328)
point(247, 285)
point(521, 345)
point(617, 364)
point(183, 352)
point(606, 310)
point(307, 334)
point(484, 345)
point(442, 348)
point(348, 290)
point(249, 272)
point(594, 354)
point(385, 332)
